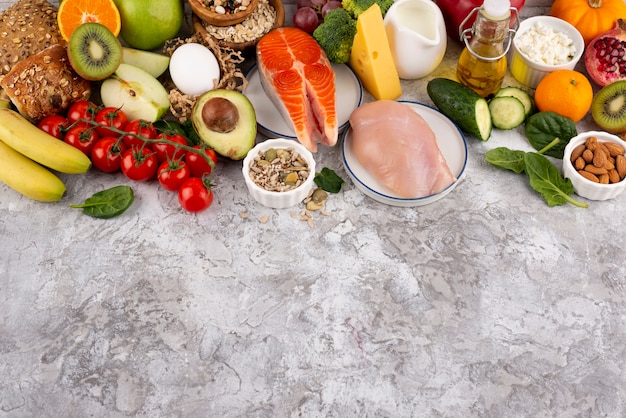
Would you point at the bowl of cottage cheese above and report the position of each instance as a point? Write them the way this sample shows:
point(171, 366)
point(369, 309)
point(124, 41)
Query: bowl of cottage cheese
point(543, 44)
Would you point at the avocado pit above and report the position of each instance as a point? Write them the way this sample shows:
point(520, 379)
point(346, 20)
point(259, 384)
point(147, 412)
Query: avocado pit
point(220, 115)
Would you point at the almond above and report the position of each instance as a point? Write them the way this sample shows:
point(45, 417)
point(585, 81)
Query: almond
point(588, 155)
point(591, 141)
point(614, 176)
point(577, 152)
point(590, 168)
point(589, 176)
point(620, 166)
point(580, 163)
point(604, 178)
point(614, 149)
point(599, 157)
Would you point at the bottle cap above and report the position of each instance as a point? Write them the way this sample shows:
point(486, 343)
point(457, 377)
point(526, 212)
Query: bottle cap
point(497, 9)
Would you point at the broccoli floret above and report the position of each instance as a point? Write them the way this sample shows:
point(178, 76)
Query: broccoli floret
point(336, 35)
point(356, 7)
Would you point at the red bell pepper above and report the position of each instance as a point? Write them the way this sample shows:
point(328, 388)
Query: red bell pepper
point(455, 11)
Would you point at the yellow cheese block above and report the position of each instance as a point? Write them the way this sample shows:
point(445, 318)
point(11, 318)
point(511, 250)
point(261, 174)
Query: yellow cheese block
point(371, 57)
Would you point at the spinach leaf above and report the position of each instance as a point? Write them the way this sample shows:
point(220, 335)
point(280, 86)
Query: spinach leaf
point(546, 179)
point(107, 203)
point(328, 180)
point(506, 158)
point(549, 133)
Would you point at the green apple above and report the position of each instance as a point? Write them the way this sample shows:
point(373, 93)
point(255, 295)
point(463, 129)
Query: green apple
point(147, 24)
point(152, 62)
point(139, 94)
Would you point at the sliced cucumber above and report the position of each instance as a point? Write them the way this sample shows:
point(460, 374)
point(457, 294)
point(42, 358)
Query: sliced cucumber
point(526, 99)
point(507, 112)
point(462, 105)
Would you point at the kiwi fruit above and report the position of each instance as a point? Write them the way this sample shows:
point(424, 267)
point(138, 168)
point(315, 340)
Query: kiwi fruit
point(94, 51)
point(608, 107)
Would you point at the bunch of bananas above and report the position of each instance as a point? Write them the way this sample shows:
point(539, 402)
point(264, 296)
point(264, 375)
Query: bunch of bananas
point(27, 156)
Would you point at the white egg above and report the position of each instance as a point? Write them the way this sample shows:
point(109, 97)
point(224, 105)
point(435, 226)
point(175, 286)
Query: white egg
point(194, 69)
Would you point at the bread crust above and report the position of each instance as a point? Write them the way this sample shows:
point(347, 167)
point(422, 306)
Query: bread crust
point(45, 84)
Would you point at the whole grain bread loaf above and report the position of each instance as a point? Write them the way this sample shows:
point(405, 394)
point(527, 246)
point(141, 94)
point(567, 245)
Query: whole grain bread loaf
point(26, 28)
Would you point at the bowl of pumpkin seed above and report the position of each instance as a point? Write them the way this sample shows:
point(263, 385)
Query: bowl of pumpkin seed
point(279, 172)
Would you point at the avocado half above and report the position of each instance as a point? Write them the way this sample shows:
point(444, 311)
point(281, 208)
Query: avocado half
point(226, 121)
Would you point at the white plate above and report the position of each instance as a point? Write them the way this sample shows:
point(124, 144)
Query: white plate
point(450, 140)
point(348, 94)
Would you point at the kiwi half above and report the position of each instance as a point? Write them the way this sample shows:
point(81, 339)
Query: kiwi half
point(608, 107)
point(94, 51)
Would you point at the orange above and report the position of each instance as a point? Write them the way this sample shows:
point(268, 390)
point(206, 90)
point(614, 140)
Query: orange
point(73, 13)
point(565, 92)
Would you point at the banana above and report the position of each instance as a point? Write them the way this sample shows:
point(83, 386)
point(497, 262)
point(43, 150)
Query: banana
point(27, 139)
point(27, 177)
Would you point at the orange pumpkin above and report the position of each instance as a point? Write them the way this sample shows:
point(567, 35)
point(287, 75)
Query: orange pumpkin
point(590, 17)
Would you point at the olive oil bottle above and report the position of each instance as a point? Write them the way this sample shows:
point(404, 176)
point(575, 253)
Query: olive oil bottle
point(482, 63)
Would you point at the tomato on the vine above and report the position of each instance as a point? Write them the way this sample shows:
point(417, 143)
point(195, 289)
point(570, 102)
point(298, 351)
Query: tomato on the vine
point(106, 154)
point(198, 165)
point(82, 109)
point(139, 164)
point(172, 174)
point(194, 195)
point(81, 136)
point(54, 125)
point(170, 152)
point(110, 116)
point(140, 127)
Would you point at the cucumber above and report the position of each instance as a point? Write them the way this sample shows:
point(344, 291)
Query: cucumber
point(462, 105)
point(507, 112)
point(526, 99)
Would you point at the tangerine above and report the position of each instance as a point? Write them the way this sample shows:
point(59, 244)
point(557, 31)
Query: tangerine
point(73, 13)
point(565, 92)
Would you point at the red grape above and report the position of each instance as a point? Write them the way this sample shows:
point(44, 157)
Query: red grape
point(306, 19)
point(303, 3)
point(332, 4)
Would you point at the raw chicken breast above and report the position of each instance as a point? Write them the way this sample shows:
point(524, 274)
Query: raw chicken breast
point(398, 148)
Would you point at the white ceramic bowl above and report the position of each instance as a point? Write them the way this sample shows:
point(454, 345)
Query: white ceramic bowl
point(273, 199)
point(587, 188)
point(531, 73)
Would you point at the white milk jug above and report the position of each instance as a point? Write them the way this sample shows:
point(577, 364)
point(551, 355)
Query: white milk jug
point(417, 37)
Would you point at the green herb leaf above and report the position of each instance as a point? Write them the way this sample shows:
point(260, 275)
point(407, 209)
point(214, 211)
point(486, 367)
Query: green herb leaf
point(506, 158)
point(328, 180)
point(107, 203)
point(546, 179)
point(549, 133)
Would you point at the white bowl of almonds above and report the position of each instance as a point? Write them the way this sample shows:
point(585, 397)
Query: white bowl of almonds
point(279, 172)
point(595, 162)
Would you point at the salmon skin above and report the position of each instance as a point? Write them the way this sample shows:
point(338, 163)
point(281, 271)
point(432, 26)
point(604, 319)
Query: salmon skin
point(299, 79)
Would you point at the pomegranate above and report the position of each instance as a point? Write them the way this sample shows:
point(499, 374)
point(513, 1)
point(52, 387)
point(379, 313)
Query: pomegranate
point(605, 58)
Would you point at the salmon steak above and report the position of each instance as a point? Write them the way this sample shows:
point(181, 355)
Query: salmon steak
point(397, 146)
point(298, 78)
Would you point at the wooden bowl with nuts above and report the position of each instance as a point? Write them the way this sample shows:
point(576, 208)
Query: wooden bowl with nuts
point(223, 12)
point(595, 162)
point(268, 15)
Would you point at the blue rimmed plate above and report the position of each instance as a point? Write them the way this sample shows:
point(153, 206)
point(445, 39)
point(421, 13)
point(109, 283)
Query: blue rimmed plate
point(450, 140)
point(348, 94)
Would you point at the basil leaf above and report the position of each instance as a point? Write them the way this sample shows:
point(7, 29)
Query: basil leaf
point(169, 127)
point(506, 158)
point(328, 180)
point(107, 203)
point(549, 133)
point(546, 179)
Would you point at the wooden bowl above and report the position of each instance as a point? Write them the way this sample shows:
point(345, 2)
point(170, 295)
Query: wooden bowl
point(199, 26)
point(217, 19)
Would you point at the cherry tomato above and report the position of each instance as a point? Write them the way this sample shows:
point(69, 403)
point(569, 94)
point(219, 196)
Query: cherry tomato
point(139, 127)
point(194, 195)
point(81, 136)
point(197, 164)
point(139, 164)
point(172, 174)
point(106, 154)
point(82, 109)
point(110, 116)
point(54, 125)
point(169, 152)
